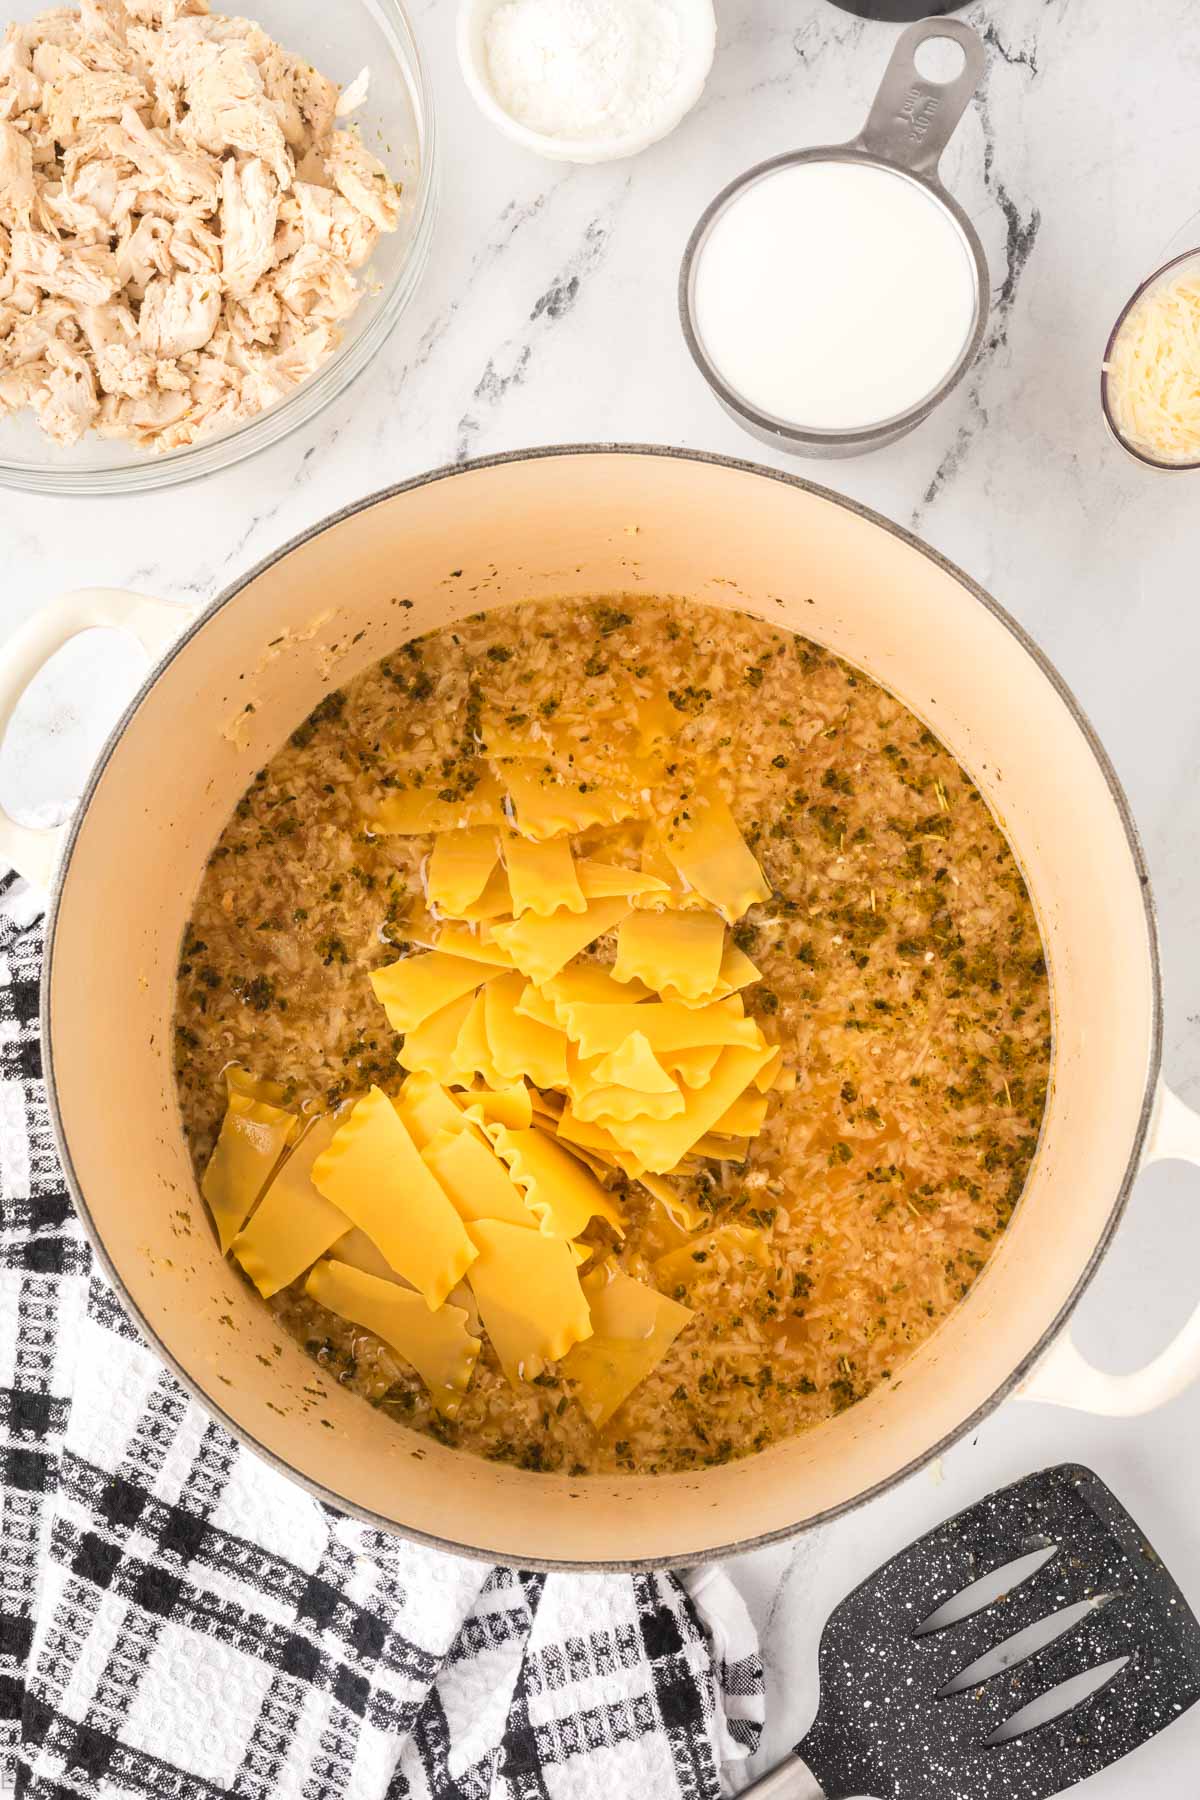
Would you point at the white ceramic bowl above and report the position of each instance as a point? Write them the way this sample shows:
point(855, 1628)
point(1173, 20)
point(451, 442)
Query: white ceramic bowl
point(397, 123)
point(700, 36)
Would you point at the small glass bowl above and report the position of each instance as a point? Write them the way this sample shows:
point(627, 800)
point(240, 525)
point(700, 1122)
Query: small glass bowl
point(1141, 456)
point(396, 123)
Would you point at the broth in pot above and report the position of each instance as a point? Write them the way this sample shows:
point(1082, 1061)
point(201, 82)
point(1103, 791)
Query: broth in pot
point(499, 1199)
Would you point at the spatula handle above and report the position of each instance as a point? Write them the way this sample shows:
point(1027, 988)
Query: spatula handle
point(792, 1780)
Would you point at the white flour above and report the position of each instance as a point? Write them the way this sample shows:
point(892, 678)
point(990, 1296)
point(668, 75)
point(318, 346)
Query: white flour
point(585, 68)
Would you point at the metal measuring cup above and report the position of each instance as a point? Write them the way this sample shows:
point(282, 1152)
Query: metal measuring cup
point(909, 125)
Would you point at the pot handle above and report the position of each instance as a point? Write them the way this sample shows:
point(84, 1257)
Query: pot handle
point(1064, 1377)
point(913, 119)
point(155, 624)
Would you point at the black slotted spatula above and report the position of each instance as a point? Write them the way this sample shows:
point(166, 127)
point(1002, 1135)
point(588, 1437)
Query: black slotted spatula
point(890, 1724)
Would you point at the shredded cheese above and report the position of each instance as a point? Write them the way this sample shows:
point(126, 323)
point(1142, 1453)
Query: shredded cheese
point(1154, 371)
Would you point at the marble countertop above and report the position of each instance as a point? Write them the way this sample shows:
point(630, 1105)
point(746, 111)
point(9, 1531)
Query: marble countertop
point(548, 315)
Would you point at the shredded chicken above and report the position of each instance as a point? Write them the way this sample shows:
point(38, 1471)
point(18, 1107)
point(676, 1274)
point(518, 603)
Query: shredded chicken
point(181, 212)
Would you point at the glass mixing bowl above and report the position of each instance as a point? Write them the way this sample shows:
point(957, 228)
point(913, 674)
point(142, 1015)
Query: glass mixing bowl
point(396, 122)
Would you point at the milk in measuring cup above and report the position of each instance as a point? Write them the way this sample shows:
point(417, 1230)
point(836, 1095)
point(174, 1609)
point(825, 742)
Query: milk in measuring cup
point(833, 295)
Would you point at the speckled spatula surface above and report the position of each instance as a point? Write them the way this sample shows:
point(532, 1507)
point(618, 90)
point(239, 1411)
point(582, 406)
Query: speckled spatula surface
point(895, 1720)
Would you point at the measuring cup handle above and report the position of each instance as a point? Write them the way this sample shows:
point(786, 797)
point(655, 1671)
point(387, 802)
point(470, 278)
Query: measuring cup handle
point(913, 119)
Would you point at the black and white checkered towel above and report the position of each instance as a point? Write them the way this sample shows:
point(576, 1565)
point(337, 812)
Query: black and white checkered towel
point(179, 1621)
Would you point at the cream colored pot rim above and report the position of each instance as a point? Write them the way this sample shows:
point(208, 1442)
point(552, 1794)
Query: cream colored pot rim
point(735, 1547)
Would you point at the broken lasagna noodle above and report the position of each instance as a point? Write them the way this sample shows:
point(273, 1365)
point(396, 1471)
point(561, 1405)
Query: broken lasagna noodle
point(612, 1035)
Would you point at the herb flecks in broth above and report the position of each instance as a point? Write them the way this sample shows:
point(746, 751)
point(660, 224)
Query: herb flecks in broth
point(899, 967)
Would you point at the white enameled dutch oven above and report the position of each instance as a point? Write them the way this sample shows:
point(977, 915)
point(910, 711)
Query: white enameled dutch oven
point(235, 682)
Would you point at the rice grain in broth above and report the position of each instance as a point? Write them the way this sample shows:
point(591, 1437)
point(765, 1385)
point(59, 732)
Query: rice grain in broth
point(902, 971)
